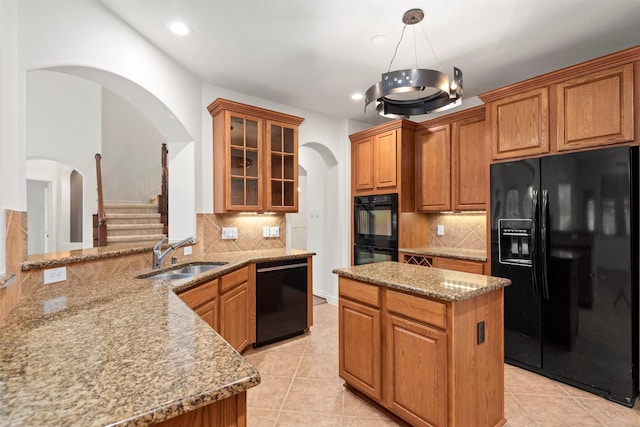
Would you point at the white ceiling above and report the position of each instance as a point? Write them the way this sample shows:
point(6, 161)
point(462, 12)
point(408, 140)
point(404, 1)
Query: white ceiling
point(313, 54)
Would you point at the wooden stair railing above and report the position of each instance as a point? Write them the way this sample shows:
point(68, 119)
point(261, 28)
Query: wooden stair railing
point(99, 220)
point(163, 198)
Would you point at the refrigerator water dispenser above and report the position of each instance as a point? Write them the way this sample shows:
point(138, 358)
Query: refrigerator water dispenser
point(514, 242)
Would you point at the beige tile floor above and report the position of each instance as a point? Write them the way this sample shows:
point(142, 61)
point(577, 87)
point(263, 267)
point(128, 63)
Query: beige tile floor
point(300, 387)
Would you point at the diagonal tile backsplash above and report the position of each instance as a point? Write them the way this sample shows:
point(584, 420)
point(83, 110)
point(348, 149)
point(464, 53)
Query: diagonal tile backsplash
point(467, 231)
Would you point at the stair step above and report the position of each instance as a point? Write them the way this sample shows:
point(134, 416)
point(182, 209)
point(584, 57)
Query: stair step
point(139, 208)
point(147, 238)
point(132, 218)
point(133, 229)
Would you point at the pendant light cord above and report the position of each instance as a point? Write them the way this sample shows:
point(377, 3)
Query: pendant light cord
point(397, 46)
point(415, 49)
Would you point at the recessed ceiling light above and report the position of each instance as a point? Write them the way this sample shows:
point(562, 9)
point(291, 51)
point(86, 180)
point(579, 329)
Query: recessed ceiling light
point(378, 39)
point(179, 28)
point(357, 96)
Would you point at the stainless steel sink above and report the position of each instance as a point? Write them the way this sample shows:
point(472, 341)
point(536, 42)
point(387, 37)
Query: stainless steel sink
point(185, 272)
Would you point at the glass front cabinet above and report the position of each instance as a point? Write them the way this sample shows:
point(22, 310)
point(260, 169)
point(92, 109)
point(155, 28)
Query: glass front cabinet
point(255, 157)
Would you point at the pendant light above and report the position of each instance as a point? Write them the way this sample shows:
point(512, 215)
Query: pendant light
point(415, 91)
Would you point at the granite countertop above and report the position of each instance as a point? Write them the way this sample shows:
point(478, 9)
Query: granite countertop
point(447, 285)
point(467, 254)
point(6, 279)
point(118, 352)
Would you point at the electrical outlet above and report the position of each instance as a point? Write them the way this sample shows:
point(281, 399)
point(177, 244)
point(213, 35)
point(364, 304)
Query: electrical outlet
point(54, 275)
point(265, 232)
point(440, 230)
point(480, 327)
point(274, 231)
point(229, 232)
point(187, 250)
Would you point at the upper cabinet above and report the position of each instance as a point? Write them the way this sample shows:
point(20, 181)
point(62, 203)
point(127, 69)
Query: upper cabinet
point(382, 161)
point(255, 157)
point(452, 162)
point(520, 124)
point(588, 105)
point(596, 109)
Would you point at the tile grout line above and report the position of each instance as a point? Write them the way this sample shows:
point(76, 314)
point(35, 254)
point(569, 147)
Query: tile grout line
point(286, 396)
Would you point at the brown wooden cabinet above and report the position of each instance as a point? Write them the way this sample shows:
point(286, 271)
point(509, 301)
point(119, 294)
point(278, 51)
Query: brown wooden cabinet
point(227, 304)
point(452, 165)
point(587, 105)
point(433, 154)
point(459, 265)
point(228, 412)
point(255, 157)
point(595, 110)
point(237, 302)
point(432, 370)
point(203, 299)
point(519, 124)
point(382, 160)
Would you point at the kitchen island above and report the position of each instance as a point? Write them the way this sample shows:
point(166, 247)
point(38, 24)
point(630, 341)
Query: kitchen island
point(425, 343)
point(122, 351)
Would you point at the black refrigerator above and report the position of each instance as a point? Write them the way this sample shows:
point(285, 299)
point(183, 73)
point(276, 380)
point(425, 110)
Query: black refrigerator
point(564, 229)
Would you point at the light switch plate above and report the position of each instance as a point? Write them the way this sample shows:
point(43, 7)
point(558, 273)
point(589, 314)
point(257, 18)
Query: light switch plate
point(187, 250)
point(274, 231)
point(229, 233)
point(440, 230)
point(265, 232)
point(54, 275)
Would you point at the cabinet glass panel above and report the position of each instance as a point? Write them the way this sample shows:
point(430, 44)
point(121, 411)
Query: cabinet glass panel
point(252, 164)
point(237, 162)
point(288, 140)
point(276, 166)
point(237, 191)
point(276, 138)
point(288, 193)
point(252, 192)
point(288, 167)
point(276, 193)
point(251, 134)
point(237, 131)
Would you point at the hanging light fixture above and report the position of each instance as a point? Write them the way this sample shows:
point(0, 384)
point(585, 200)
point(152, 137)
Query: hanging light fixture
point(395, 94)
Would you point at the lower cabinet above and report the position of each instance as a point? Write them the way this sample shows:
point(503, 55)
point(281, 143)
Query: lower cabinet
point(229, 412)
point(421, 358)
point(227, 304)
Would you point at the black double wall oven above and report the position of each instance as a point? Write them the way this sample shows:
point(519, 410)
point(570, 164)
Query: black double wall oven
point(375, 225)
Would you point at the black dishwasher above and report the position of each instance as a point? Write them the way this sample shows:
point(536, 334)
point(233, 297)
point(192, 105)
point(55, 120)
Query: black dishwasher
point(281, 300)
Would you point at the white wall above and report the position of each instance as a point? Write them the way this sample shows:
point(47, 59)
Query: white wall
point(63, 124)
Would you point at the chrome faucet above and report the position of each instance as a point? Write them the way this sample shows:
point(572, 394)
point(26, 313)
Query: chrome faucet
point(159, 256)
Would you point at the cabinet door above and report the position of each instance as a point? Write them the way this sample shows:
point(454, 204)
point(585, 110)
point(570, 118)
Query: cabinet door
point(459, 265)
point(234, 317)
point(385, 160)
point(520, 124)
point(362, 164)
point(469, 165)
point(282, 167)
point(244, 183)
point(360, 351)
point(416, 371)
point(595, 110)
point(209, 313)
point(433, 151)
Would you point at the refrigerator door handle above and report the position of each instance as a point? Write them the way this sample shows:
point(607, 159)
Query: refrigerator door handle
point(533, 248)
point(543, 243)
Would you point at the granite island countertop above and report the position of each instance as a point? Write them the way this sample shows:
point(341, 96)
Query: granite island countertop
point(118, 352)
point(441, 251)
point(446, 285)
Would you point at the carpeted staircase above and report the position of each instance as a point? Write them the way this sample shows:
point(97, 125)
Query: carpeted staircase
point(133, 223)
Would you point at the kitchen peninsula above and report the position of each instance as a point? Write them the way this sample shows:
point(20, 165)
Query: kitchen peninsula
point(425, 343)
point(122, 351)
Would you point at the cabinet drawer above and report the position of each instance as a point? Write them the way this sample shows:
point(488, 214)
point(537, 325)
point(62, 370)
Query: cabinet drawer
point(234, 279)
point(421, 309)
point(459, 265)
point(358, 291)
point(197, 296)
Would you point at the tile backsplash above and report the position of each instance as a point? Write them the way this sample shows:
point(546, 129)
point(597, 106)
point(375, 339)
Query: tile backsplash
point(209, 232)
point(466, 231)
